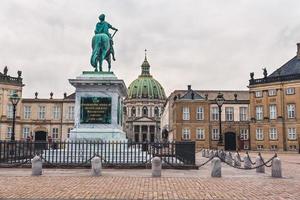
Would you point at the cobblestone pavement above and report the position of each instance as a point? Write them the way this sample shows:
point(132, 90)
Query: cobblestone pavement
point(138, 184)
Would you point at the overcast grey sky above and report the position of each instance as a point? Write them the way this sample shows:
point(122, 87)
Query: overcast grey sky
point(211, 44)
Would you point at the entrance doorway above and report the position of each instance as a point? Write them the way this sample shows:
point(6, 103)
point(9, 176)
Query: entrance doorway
point(230, 141)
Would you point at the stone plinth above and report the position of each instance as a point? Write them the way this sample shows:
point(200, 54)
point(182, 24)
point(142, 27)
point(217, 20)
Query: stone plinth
point(98, 107)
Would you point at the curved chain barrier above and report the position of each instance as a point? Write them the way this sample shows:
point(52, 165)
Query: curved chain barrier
point(237, 167)
point(253, 163)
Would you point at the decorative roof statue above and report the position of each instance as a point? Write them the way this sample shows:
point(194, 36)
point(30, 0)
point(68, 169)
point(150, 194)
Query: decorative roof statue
point(102, 44)
point(5, 70)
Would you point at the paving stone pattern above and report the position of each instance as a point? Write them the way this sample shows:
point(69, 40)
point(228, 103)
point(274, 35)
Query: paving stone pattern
point(138, 184)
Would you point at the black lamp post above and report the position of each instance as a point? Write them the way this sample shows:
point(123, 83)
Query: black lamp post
point(220, 101)
point(14, 99)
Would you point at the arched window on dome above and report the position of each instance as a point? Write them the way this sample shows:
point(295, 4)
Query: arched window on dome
point(145, 111)
point(133, 111)
point(156, 111)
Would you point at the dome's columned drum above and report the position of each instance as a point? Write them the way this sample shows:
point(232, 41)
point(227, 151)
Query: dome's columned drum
point(145, 86)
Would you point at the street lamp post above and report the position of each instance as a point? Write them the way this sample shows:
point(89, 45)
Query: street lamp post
point(220, 101)
point(14, 99)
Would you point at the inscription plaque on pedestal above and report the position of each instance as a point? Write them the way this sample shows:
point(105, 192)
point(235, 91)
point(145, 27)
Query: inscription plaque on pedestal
point(95, 110)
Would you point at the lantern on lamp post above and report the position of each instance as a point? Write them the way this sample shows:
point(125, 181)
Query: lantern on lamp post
point(14, 99)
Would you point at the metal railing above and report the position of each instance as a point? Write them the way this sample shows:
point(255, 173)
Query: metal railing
point(80, 153)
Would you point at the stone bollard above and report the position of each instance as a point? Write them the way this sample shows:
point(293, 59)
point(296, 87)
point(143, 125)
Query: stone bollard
point(236, 161)
point(206, 153)
point(228, 158)
point(216, 167)
point(211, 154)
point(203, 152)
point(259, 162)
point(96, 166)
point(276, 168)
point(247, 162)
point(156, 167)
point(36, 166)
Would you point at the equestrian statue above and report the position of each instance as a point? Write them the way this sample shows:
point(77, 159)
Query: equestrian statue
point(102, 44)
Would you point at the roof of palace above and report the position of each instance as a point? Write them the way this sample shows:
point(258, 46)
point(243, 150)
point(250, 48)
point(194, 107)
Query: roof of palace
point(145, 86)
point(6, 79)
point(287, 72)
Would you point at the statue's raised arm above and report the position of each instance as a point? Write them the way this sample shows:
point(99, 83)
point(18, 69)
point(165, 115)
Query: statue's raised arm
point(102, 44)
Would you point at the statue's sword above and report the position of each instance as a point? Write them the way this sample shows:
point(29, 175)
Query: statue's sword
point(114, 34)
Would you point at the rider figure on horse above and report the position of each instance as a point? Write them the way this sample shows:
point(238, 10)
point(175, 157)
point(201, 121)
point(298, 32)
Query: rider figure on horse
point(103, 27)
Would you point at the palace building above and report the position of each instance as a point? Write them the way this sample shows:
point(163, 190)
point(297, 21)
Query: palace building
point(275, 107)
point(193, 115)
point(36, 118)
point(143, 107)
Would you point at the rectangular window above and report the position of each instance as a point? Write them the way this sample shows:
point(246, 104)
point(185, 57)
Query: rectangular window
point(272, 92)
point(215, 113)
point(260, 147)
point(259, 134)
point(186, 134)
point(27, 112)
point(55, 133)
point(215, 134)
point(25, 132)
point(246, 146)
point(200, 113)
point(9, 111)
point(244, 134)
point(56, 112)
point(259, 113)
point(243, 113)
point(258, 94)
point(68, 134)
point(229, 113)
point(200, 134)
point(71, 113)
point(273, 134)
point(186, 113)
point(292, 148)
point(42, 112)
point(273, 111)
point(291, 111)
point(292, 135)
point(274, 147)
point(290, 91)
point(9, 132)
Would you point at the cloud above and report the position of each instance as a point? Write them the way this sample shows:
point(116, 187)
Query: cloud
point(210, 44)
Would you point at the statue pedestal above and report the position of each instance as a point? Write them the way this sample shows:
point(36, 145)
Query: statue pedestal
point(98, 107)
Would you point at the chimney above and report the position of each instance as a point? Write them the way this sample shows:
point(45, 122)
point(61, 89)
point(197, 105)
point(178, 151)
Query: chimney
point(298, 50)
point(189, 87)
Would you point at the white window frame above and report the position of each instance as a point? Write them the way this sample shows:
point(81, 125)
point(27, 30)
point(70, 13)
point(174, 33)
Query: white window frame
point(259, 112)
point(290, 91)
point(200, 133)
point(215, 134)
point(71, 112)
point(42, 112)
point(258, 94)
point(185, 113)
point(200, 113)
point(27, 111)
point(274, 147)
point(9, 132)
point(291, 111)
point(214, 113)
point(56, 112)
point(260, 147)
point(243, 113)
point(10, 111)
point(259, 134)
point(272, 92)
point(25, 132)
point(55, 134)
point(186, 134)
point(229, 114)
point(273, 111)
point(244, 134)
point(292, 133)
point(273, 133)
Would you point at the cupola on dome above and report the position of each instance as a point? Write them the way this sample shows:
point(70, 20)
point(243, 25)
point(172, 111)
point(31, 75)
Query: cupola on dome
point(145, 86)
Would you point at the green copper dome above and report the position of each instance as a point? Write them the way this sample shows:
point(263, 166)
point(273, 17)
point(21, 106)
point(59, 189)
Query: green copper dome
point(145, 86)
